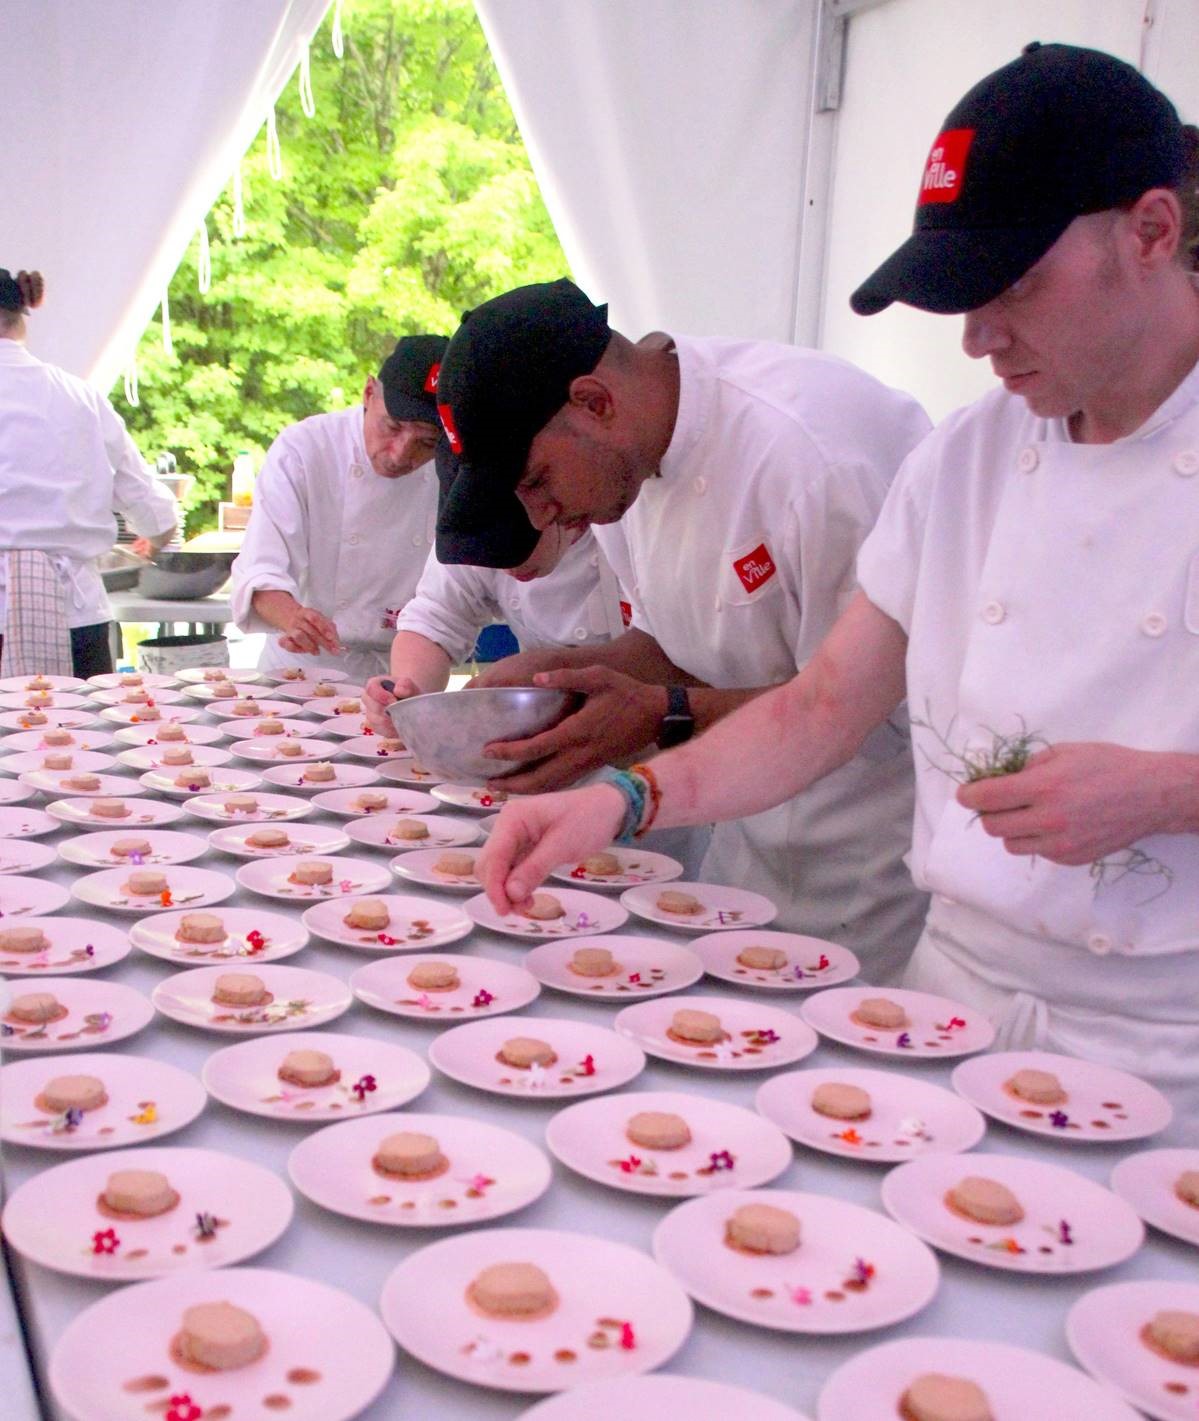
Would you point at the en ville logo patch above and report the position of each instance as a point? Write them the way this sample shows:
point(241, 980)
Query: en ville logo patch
point(431, 379)
point(946, 167)
point(755, 569)
point(447, 423)
point(626, 613)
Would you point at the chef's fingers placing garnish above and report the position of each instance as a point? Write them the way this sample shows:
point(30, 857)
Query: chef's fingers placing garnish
point(313, 626)
point(534, 836)
point(381, 692)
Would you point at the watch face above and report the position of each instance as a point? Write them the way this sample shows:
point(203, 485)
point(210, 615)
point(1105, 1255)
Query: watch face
point(675, 730)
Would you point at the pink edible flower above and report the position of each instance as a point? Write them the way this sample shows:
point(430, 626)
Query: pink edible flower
point(627, 1340)
point(183, 1408)
point(105, 1241)
point(363, 1087)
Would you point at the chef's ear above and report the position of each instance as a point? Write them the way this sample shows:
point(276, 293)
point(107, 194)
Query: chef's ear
point(368, 390)
point(1155, 220)
point(594, 397)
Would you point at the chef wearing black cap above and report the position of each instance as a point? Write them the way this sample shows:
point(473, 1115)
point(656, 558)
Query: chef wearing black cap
point(344, 510)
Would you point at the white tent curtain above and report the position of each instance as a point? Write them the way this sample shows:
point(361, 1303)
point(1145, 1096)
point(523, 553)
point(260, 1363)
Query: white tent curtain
point(124, 121)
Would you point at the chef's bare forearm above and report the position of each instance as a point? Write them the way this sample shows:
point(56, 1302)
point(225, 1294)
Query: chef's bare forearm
point(276, 607)
point(418, 659)
point(634, 652)
point(1181, 793)
point(788, 738)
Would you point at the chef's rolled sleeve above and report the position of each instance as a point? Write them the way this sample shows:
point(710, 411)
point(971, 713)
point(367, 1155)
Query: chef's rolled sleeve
point(275, 542)
point(450, 606)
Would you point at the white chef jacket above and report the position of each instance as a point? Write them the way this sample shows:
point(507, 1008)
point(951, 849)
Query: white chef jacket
point(66, 463)
point(1057, 584)
point(578, 604)
point(338, 537)
point(737, 561)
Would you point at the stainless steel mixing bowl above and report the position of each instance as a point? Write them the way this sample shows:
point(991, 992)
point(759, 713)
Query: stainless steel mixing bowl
point(446, 731)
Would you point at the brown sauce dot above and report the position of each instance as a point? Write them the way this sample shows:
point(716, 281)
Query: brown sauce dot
point(611, 1322)
point(179, 1248)
point(136, 1253)
point(379, 1199)
point(974, 1239)
point(505, 1080)
point(408, 1204)
point(1112, 1105)
point(598, 1341)
point(870, 1038)
point(1120, 1115)
point(707, 1055)
point(904, 1144)
point(677, 1174)
point(474, 1194)
point(762, 1293)
point(1176, 1388)
point(834, 1296)
point(218, 1412)
point(933, 1043)
point(276, 1401)
point(1032, 1114)
point(447, 1203)
point(303, 1376)
point(1044, 1248)
point(519, 1359)
point(564, 1354)
point(150, 1382)
point(1101, 1125)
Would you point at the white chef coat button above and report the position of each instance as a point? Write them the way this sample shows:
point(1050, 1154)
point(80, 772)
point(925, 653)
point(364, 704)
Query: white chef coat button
point(1099, 943)
point(993, 613)
point(417, 540)
point(515, 604)
point(1186, 462)
point(593, 560)
point(1028, 460)
point(580, 634)
point(354, 540)
point(1154, 624)
point(700, 484)
point(357, 471)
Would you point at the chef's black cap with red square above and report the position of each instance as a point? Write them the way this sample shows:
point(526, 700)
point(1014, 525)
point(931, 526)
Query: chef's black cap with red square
point(409, 378)
point(1059, 132)
point(503, 537)
point(506, 373)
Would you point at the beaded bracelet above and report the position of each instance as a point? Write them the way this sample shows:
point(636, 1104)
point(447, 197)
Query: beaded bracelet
point(643, 772)
point(633, 788)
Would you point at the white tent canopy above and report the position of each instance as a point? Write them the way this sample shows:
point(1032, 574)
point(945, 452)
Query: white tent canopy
point(711, 168)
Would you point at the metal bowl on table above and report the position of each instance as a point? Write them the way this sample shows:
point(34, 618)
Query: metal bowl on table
point(182, 576)
point(447, 730)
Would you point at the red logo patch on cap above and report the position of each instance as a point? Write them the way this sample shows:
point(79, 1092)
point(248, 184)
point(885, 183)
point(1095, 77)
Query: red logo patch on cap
point(946, 167)
point(431, 378)
point(755, 569)
point(626, 613)
point(447, 423)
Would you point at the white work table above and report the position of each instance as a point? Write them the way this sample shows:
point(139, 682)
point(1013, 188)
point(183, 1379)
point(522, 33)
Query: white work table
point(973, 1301)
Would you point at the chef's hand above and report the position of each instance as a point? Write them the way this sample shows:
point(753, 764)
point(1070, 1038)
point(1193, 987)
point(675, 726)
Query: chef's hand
point(518, 670)
point(1076, 803)
point(532, 837)
point(309, 632)
point(381, 692)
point(619, 717)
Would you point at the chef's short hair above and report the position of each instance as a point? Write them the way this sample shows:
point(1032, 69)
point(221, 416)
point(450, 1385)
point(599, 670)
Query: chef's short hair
point(1188, 197)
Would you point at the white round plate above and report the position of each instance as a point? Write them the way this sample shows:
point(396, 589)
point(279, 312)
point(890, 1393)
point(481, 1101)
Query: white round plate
point(251, 935)
point(82, 741)
point(811, 961)
point(147, 1099)
point(491, 1172)
point(68, 719)
point(370, 747)
point(723, 908)
point(1101, 1102)
point(97, 1014)
point(205, 691)
point(374, 1077)
point(301, 999)
point(344, 803)
point(143, 813)
point(477, 799)
point(405, 771)
point(265, 751)
point(262, 708)
point(853, 1270)
point(57, 683)
point(756, 1037)
point(166, 846)
point(373, 828)
point(603, 1287)
point(1070, 1224)
point(636, 866)
point(908, 1116)
point(730, 1148)
point(312, 840)
point(148, 735)
point(270, 808)
point(305, 690)
point(654, 1397)
point(24, 856)
point(1103, 1329)
point(52, 782)
point(15, 792)
point(936, 1027)
point(119, 696)
point(187, 887)
point(344, 777)
point(416, 924)
point(198, 675)
point(24, 823)
point(1016, 1382)
point(486, 988)
point(21, 896)
point(238, 731)
point(271, 878)
point(647, 967)
point(420, 866)
point(153, 680)
point(76, 945)
point(221, 780)
point(345, 727)
point(181, 713)
point(1146, 1181)
point(56, 1219)
point(150, 757)
point(59, 700)
point(316, 1332)
point(590, 1058)
point(586, 915)
point(82, 761)
point(275, 675)
point(328, 710)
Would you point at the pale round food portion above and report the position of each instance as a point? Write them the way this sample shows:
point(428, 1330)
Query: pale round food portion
point(1175, 1333)
point(39, 698)
point(239, 989)
point(369, 914)
point(224, 691)
point(291, 673)
point(526, 1051)
point(763, 1228)
point(324, 689)
point(936, 1397)
point(390, 746)
point(180, 755)
point(458, 865)
point(371, 799)
point(986, 1201)
point(74, 1093)
point(268, 838)
point(881, 1012)
point(409, 829)
point(593, 962)
point(320, 773)
point(270, 726)
point(1037, 1087)
point(130, 678)
point(246, 708)
point(40, 683)
point(241, 804)
point(135, 698)
point(1186, 1186)
point(144, 713)
point(81, 784)
point(144, 1192)
point(408, 1154)
point(57, 736)
point(215, 673)
point(700, 1026)
point(434, 977)
point(544, 908)
point(200, 928)
point(308, 1068)
point(658, 1130)
point(221, 1336)
point(348, 707)
point(312, 872)
point(289, 749)
point(762, 959)
point(172, 731)
point(841, 1102)
point(684, 905)
point(33, 717)
point(146, 880)
point(35, 1007)
point(126, 848)
point(58, 762)
point(514, 1290)
point(109, 809)
point(193, 779)
point(23, 940)
point(602, 865)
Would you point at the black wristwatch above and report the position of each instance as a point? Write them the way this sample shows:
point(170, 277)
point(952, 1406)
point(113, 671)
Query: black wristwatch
point(678, 724)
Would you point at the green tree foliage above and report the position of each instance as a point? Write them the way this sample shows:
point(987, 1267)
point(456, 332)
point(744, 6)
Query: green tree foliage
point(407, 199)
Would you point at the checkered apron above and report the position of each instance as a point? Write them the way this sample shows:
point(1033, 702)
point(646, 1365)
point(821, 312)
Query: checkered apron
point(37, 639)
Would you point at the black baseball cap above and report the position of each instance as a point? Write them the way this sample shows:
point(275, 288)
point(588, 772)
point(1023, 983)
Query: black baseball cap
point(409, 377)
point(498, 534)
point(506, 373)
point(1057, 133)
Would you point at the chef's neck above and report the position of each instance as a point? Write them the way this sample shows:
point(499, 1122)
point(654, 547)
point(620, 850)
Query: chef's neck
point(12, 326)
point(650, 371)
